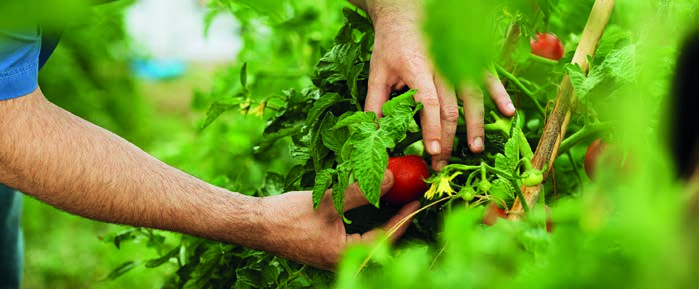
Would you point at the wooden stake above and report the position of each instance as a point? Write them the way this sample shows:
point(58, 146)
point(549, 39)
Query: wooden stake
point(564, 106)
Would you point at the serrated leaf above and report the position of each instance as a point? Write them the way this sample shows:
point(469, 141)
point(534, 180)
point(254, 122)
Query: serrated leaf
point(407, 98)
point(324, 102)
point(357, 21)
point(394, 126)
point(369, 160)
point(502, 189)
point(512, 149)
point(502, 163)
point(581, 83)
point(323, 180)
point(122, 269)
point(352, 76)
point(334, 139)
point(338, 192)
point(355, 118)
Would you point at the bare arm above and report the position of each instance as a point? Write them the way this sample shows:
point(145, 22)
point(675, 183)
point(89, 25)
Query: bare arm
point(78, 167)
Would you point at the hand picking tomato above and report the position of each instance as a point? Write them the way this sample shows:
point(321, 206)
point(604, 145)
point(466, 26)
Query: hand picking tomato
point(548, 46)
point(409, 174)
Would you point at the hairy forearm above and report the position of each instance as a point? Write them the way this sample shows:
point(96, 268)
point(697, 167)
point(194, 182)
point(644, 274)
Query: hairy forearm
point(392, 15)
point(73, 165)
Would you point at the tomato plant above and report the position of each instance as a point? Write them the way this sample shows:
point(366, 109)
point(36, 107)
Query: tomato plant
point(409, 174)
point(320, 116)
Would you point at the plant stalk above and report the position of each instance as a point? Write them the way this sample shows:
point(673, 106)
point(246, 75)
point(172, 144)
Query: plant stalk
point(564, 106)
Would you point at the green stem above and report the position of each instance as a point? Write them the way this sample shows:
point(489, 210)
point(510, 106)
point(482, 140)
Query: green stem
point(522, 87)
point(586, 133)
point(520, 195)
point(544, 60)
point(575, 168)
point(410, 138)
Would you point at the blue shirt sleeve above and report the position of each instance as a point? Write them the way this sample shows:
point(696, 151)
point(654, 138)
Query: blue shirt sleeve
point(19, 62)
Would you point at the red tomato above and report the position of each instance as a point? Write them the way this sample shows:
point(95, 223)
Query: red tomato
point(592, 156)
point(492, 214)
point(548, 46)
point(409, 174)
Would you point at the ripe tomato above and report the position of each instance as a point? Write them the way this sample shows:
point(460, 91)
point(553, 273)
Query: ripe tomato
point(409, 174)
point(548, 46)
point(592, 156)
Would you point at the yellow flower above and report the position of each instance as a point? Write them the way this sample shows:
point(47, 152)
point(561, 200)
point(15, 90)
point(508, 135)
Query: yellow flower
point(441, 187)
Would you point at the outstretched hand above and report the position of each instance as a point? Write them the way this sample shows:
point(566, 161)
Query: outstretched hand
point(400, 59)
point(318, 238)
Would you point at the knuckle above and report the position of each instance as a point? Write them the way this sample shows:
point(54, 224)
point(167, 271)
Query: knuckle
point(428, 100)
point(450, 113)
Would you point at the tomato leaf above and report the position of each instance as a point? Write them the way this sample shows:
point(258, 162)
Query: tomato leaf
point(338, 193)
point(369, 159)
point(323, 180)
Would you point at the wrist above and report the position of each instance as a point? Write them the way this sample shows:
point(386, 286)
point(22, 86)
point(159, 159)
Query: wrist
point(394, 13)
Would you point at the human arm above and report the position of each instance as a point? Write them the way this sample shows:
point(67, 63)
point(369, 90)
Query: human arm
point(81, 168)
point(400, 59)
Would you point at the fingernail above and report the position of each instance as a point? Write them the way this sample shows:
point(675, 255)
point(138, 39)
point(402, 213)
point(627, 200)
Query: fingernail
point(435, 148)
point(511, 107)
point(441, 165)
point(478, 143)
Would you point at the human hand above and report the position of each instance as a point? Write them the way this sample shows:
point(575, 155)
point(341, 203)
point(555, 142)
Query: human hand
point(318, 238)
point(400, 59)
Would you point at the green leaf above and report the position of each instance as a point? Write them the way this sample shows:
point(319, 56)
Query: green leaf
point(244, 75)
point(512, 149)
point(323, 180)
point(462, 37)
point(356, 118)
point(152, 263)
point(127, 234)
point(334, 139)
point(338, 192)
point(502, 189)
point(394, 126)
point(369, 159)
point(122, 269)
point(582, 84)
point(406, 98)
point(357, 21)
point(322, 104)
point(219, 107)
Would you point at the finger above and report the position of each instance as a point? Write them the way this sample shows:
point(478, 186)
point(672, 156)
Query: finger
point(430, 114)
point(401, 220)
point(472, 98)
point(355, 198)
point(450, 117)
point(499, 94)
point(378, 91)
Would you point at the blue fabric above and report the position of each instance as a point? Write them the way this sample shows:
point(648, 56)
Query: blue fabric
point(21, 56)
point(19, 62)
point(11, 245)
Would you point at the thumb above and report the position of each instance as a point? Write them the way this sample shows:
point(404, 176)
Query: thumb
point(355, 198)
